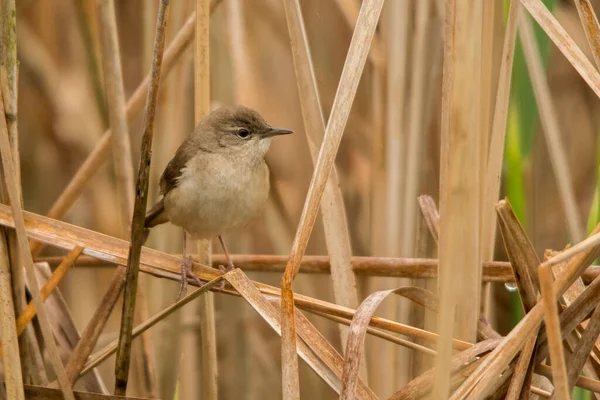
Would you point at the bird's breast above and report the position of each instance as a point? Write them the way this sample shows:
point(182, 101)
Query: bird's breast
point(217, 194)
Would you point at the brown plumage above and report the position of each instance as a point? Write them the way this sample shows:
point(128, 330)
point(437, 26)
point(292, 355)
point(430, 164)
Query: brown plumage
point(218, 180)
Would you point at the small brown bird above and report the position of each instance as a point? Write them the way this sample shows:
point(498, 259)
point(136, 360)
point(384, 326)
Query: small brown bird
point(217, 181)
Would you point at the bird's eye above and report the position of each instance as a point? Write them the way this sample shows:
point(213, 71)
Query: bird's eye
point(243, 133)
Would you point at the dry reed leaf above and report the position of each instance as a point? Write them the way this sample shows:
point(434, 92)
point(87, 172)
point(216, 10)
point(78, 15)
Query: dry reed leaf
point(521, 254)
point(422, 385)
point(576, 289)
point(524, 261)
point(580, 256)
point(580, 249)
point(358, 328)
point(166, 266)
point(328, 309)
point(582, 351)
point(381, 334)
point(582, 381)
point(570, 295)
point(430, 215)
point(502, 355)
point(559, 369)
point(159, 264)
point(573, 315)
point(564, 43)
point(485, 330)
point(314, 349)
point(523, 374)
point(551, 129)
point(351, 73)
point(337, 236)
point(334, 361)
point(590, 26)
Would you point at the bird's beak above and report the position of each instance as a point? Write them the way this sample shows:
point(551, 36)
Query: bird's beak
point(277, 132)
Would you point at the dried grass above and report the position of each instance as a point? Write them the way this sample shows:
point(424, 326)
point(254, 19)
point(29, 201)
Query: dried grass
point(379, 137)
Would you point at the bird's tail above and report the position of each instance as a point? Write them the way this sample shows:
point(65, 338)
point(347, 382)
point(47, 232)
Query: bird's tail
point(156, 215)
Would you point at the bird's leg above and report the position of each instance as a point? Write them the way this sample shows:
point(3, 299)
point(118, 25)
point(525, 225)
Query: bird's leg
point(230, 266)
point(186, 269)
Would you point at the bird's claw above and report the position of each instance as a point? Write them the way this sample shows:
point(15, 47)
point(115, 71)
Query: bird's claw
point(186, 272)
point(224, 270)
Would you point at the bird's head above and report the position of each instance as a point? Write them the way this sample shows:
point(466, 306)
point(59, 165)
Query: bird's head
point(239, 128)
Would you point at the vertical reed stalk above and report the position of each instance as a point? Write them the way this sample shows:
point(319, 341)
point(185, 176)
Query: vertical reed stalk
point(551, 129)
point(332, 206)
point(83, 22)
point(555, 340)
point(13, 194)
point(115, 97)
point(10, 267)
point(206, 307)
point(167, 337)
point(459, 266)
point(9, 70)
point(496, 148)
point(9, 86)
point(353, 68)
point(397, 41)
point(139, 211)
point(416, 130)
point(414, 150)
point(487, 52)
point(11, 360)
point(380, 354)
point(121, 150)
point(386, 366)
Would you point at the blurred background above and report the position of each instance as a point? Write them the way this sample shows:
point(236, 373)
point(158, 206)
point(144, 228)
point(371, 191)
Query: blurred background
point(63, 113)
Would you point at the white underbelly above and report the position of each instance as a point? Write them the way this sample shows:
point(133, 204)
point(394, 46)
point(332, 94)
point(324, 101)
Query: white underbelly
point(206, 213)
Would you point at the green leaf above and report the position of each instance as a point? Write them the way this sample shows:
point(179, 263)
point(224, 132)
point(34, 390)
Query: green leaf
point(521, 90)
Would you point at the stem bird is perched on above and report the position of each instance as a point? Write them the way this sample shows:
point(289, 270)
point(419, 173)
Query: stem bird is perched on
point(218, 180)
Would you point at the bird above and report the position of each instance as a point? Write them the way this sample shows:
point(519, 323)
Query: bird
point(217, 181)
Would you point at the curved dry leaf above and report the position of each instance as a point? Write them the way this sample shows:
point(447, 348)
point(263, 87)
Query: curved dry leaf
point(318, 353)
point(360, 323)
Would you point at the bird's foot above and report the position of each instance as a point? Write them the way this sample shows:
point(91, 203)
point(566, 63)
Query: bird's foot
point(225, 269)
point(186, 272)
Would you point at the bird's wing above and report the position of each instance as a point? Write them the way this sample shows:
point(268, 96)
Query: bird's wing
point(169, 180)
point(156, 215)
point(172, 173)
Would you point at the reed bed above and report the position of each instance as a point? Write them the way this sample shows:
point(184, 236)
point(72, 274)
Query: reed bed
point(424, 236)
